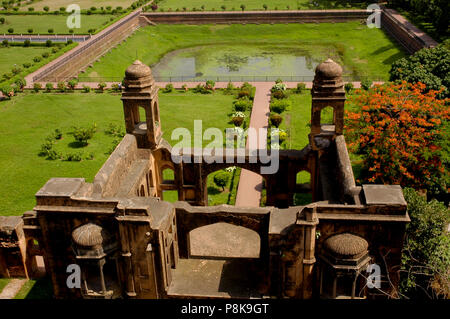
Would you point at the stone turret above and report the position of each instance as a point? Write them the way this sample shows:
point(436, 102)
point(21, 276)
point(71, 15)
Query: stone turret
point(327, 91)
point(141, 91)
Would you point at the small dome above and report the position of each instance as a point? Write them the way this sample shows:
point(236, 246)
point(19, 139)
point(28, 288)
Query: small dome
point(90, 235)
point(137, 70)
point(329, 69)
point(346, 245)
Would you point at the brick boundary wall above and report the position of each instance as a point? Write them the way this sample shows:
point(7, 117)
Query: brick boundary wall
point(80, 57)
point(410, 37)
point(281, 16)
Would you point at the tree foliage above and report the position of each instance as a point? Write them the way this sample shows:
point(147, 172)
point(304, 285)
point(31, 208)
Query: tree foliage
point(402, 134)
point(221, 179)
point(435, 11)
point(429, 66)
point(425, 268)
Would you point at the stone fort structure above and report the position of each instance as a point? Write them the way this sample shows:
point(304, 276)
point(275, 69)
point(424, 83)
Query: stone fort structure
point(130, 243)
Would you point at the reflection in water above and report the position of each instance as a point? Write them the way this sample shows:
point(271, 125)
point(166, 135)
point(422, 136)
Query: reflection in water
point(223, 61)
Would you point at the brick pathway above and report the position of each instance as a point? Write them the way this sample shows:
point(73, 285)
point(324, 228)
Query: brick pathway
point(12, 288)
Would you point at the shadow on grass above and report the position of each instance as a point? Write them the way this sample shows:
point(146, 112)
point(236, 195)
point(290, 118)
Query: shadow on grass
point(42, 289)
point(77, 144)
point(213, 190)
point(393, 58)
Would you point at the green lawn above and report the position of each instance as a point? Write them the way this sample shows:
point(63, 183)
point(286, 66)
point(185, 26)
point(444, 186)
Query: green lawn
point(42, 23)
point(84, 4)
point(362, 51)
point(17, 56)
point(28, 118)
point(3, 283)
point(258, 4)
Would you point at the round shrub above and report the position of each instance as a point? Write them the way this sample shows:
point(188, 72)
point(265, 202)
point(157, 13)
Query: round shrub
point(237, 120)
point(300, 88)
point(49, 87)
point(168, 88)
point(37, 59)
point(30, 30)
point(348, 87)
point(46, 9)
point(279, 106)
point(10, 30)
point(37, 87)
point(279, 95)
point(276, 119)
point(221, 179)
point(50, 30)
point(26, 43)
point(242, 105)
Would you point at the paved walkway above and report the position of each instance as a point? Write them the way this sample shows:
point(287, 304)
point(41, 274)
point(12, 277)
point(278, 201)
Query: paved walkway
point(251, 184)
point(12, 288)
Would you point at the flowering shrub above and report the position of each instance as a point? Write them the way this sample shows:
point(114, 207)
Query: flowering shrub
point(402, 134)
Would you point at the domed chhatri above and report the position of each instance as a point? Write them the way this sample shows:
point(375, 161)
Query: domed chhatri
point(329, 69)
point(346, 245)
point(90, 235)
point(138, 70)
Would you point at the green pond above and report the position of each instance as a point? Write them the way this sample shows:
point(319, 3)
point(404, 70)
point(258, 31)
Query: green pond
point(236, 63)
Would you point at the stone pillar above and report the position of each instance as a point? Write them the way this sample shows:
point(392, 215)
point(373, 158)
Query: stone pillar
point(141, 91)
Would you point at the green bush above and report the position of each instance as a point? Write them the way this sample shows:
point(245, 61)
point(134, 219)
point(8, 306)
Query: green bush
point(82, 135)
point(5, 43)
point(300, 88)
point(429, 66)
point(30, 30)
point(45, 55)
point(48, 43)
point(366, 84)
point(279, 95)
point(242, 105)
point(50, 30)
point(168, 88)
point(2, 20)
point(101, 86)
point(348, 87)
point(37, 59)
point(279, 106)
point(26, 65)
point(73, 157)
point(61, 86)
point(10, 30)
point(49, 87)
point(46, 9)
point(86, 88)
point(276, 119)
point(26, 43)
point(37, 87)
point(221, 179)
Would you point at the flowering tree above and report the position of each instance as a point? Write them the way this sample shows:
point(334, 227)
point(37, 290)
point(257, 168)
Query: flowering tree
point(402, 134)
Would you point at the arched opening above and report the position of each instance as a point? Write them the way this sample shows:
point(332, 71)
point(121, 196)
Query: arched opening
point(142, 191)
point(303, 195)
point(167, 176)
point(222, 240)
point(222, 186)
point(327, 116)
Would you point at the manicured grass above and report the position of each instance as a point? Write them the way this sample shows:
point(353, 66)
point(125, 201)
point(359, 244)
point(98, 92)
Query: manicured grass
point(362, 51)
point(18, 55)
point(36, 289)
point(84, 4)
point(258, 4)
point(29, 118)
point(178, 110)
point(42, 23)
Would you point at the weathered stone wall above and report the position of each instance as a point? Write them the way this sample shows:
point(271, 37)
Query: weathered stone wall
point(303, 16)
point(409, 36)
